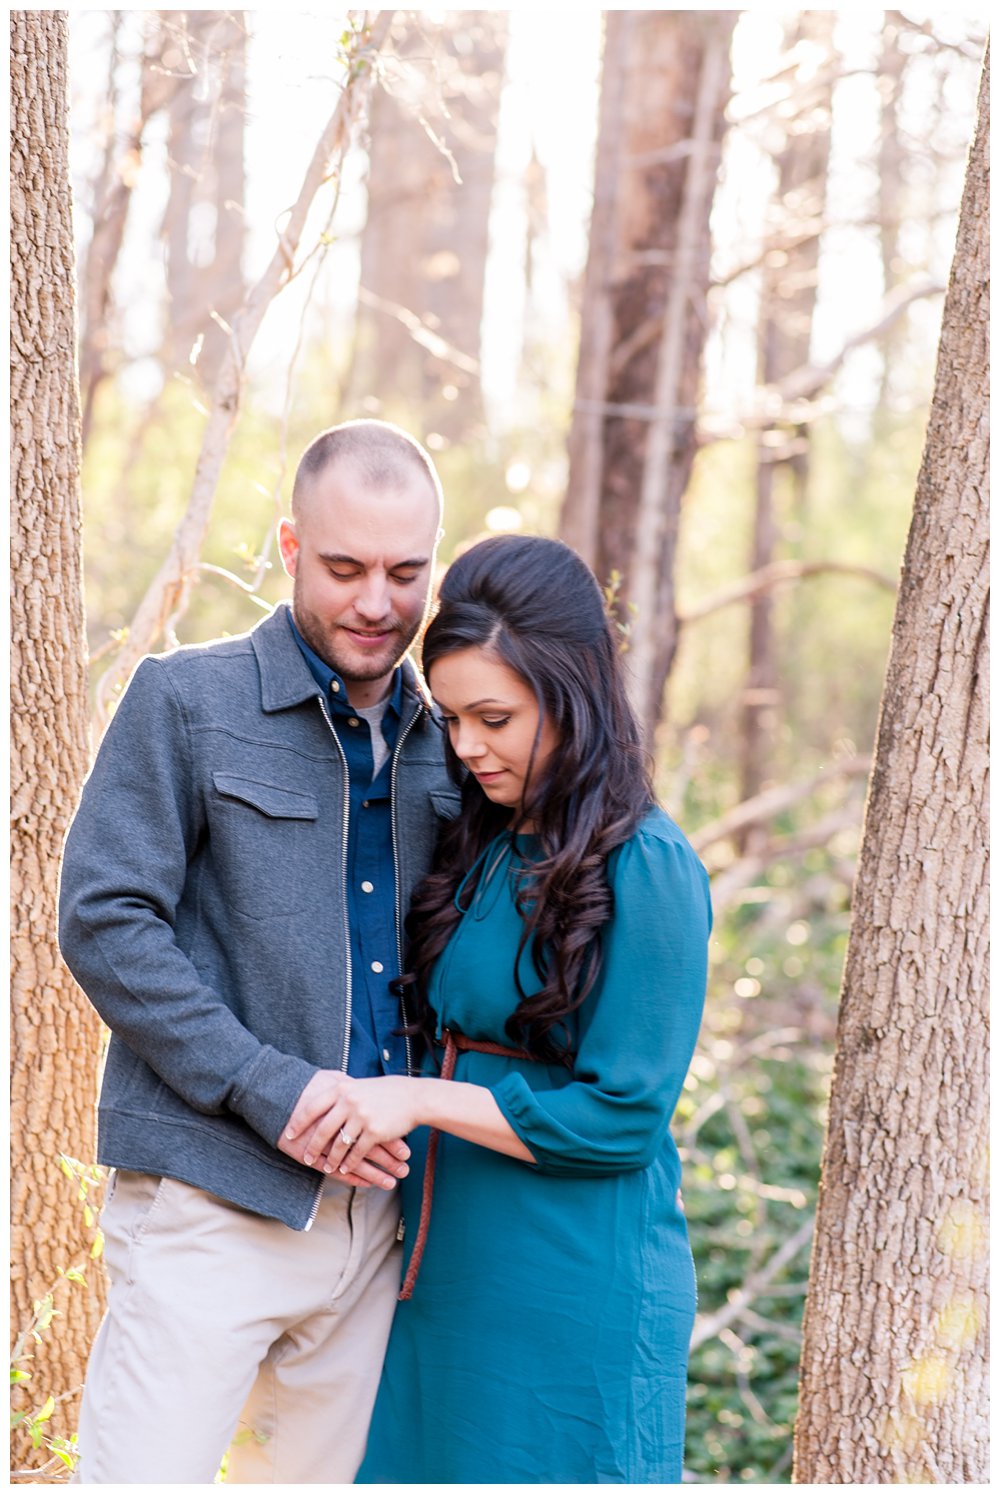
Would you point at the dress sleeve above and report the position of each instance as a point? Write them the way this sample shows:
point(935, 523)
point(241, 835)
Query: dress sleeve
point(637, 1028)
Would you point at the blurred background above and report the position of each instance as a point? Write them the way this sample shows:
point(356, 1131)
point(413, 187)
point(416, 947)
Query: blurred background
point(665, 283)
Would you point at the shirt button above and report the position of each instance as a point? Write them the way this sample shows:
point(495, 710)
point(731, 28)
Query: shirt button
point(367, 887)
point(335, 686)
point(353, 721)
point(377, 966)
point(364, 804)
point(386, 1054)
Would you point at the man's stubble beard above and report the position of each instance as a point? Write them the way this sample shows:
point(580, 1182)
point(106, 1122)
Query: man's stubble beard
point(321, 640)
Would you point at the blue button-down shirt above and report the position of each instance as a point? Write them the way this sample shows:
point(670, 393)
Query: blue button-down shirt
point(375, 1047)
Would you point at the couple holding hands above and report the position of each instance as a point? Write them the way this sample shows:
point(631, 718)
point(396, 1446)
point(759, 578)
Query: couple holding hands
point(403, 982)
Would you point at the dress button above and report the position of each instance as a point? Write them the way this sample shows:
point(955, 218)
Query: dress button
point(353, 721)
point(367, 887)
point(377, 966)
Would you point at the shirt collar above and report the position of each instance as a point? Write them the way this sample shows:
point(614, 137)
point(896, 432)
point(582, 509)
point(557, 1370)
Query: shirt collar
point(326, 677)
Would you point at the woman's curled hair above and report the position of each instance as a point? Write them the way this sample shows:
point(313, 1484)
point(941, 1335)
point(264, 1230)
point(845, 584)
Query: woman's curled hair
point(535, 606)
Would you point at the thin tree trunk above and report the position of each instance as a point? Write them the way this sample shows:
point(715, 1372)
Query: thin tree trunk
point(207, 49)
point(55, 1032)
point(891, 181)
point(111, 208)
point(788, 302)
point(432, 161)
point(224, 285)
point(650, 276)
point(894, 1383)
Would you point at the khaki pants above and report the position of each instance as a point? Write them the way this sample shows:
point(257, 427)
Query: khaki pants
point(221, 1322)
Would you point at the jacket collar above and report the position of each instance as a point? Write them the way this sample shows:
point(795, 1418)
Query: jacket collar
point(286, 679)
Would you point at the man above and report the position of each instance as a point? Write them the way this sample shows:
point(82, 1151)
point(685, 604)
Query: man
point(232, 897)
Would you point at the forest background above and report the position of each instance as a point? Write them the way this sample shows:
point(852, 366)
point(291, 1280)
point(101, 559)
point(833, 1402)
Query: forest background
point(668, 284)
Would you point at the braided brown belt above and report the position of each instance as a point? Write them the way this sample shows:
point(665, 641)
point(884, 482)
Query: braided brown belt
point(454, 1044)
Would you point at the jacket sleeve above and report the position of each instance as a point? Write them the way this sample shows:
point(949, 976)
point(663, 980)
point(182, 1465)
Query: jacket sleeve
point(637, 1028)
point(124, 869)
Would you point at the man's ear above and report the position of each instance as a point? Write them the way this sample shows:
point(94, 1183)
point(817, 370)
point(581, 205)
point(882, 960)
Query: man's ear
point(288, 544)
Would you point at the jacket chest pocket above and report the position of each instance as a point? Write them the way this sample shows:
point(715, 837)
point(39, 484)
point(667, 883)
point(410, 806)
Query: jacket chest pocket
point(265, 846)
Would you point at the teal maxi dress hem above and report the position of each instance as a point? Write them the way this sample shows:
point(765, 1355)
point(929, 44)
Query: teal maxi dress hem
point(547, 1337)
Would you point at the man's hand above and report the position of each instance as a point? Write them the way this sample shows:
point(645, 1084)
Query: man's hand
point(326, 1092)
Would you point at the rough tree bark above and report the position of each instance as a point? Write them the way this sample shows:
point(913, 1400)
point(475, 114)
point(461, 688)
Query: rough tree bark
point(894, 1354)
point(665, 83)
point(55, 1033)
point(423, 250)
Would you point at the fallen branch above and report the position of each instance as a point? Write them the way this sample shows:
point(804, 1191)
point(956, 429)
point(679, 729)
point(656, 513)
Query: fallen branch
point(711, 1325)
point(774, 801)
point(779, 573)
point(728, 882)
point(167, 593)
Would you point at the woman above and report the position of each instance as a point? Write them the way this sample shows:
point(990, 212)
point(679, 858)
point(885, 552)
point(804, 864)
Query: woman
point(558, 954)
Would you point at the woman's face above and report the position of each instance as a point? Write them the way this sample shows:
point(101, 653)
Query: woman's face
point(492, 718)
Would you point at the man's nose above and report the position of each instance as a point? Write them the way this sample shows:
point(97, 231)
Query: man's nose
point(372, 600)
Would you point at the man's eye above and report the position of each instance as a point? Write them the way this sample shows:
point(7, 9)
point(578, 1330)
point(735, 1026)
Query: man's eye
point(343, 575)
point(404, 578)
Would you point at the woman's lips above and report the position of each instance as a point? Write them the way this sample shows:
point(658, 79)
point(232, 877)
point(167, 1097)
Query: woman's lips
point(490, 777)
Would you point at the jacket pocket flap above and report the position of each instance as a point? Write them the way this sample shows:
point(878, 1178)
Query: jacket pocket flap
point(278, 803)
point(446, 802)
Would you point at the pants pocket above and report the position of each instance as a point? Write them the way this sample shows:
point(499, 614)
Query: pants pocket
point(128, 1208)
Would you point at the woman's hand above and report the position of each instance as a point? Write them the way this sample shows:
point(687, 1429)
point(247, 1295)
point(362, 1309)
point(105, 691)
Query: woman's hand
point(367, 1114)
point(311, 1120)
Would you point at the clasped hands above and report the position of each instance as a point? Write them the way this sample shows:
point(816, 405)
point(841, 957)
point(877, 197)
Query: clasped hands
point(352, 1128)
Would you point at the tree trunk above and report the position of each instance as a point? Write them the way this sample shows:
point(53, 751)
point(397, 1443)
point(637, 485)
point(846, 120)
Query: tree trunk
point(112, 198)
point(894, 1354)
point(788, 302)
point(423, 251)
point(203, 226)
point(55, 1032)
point(891, 182)
point(664, 88)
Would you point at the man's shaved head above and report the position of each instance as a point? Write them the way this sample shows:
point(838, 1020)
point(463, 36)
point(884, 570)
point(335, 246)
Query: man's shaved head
point(382, 456)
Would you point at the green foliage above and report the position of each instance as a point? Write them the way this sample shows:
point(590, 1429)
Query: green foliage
point(750, 1126)
point(833, 629)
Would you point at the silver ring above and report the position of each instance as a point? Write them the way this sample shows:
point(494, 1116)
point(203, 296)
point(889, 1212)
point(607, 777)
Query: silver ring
point(347, 1140)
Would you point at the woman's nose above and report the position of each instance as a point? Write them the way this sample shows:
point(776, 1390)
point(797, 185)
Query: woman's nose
point(468, 744)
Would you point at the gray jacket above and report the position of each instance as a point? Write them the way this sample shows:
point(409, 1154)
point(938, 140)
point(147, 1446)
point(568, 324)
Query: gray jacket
point(203, 907)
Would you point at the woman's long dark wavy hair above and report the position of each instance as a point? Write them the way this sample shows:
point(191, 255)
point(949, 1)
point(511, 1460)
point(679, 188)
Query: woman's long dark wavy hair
point(534, 605)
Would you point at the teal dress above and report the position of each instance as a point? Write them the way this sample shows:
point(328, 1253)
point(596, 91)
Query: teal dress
point(547, 1337)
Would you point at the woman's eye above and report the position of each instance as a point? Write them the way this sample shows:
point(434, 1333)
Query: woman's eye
point(501, 721)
